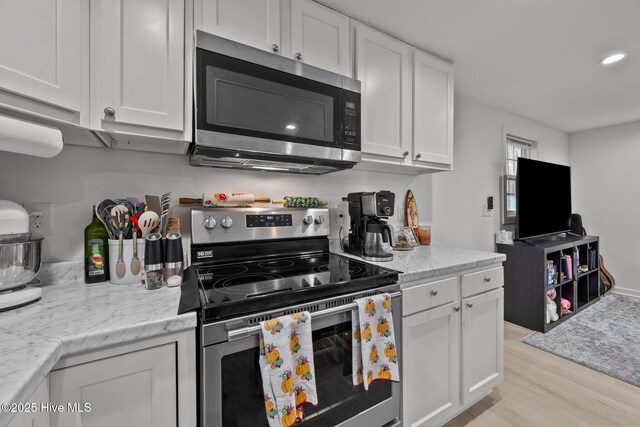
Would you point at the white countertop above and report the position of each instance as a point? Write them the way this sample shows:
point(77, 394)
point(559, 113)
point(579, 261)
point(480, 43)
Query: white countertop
point(424, 262)
point(73, 317)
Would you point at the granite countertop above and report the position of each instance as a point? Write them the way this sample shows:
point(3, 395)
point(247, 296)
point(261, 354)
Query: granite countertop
point(424, 262)
point(73, 317)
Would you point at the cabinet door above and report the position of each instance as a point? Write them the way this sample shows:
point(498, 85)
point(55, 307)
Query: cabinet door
point(133, 389)
point(431, 365)
point(44, 56)
point(383, 67)
point(252, 22)
point(38, 418)
point(141, 63)
point(320, 37)
point(482, 344)
point(433, 110)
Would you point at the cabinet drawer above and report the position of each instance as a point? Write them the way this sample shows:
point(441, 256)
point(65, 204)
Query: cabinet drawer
point(482, 281)
point(429, 295)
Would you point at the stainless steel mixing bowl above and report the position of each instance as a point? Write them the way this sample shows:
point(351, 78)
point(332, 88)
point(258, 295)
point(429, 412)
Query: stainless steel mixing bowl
point(19, 262)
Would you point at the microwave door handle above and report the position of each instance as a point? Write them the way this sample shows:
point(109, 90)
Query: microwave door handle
point(236, 334)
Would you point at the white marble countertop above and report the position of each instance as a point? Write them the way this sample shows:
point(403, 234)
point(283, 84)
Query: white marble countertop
point(424, 262)
point(73, 317)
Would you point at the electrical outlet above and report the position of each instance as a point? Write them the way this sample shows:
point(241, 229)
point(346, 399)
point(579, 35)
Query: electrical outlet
point(400, 213)
point(341, 212)
point(39, 218)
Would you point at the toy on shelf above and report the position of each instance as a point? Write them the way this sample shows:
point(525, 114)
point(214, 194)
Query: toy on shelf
point(552, 308)
point(565, 306)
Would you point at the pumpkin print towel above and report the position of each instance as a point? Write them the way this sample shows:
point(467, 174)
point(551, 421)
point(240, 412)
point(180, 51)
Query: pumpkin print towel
point(374, 344)
point(286, 364)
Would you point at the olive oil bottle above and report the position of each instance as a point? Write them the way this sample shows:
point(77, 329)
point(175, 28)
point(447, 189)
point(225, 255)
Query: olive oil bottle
point(96, 251)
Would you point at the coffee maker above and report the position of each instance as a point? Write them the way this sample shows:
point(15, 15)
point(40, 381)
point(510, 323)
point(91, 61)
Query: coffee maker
point(370, 235)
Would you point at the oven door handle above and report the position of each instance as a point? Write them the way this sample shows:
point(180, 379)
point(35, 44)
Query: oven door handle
point(236, 334)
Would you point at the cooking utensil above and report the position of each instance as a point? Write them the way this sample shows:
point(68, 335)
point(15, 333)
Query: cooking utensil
point(103, 212)
point(411, 211)
point(165, 203)
point(123, 211)
point(147, 222)
point(19, 262)
point(135, 262)
point(173, 225)
point(120, 267)
point(300, 202)
point(226, 200)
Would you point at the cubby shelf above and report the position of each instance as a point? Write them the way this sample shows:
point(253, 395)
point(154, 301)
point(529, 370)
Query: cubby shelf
point(526, 276)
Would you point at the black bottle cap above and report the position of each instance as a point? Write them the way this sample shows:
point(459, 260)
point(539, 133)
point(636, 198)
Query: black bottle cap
point(173, 251)
point(153, 253)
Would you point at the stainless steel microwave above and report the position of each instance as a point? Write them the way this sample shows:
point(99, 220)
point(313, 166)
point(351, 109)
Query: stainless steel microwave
point(258, 110)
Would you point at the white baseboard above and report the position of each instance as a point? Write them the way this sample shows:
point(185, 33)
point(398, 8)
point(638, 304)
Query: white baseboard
point(625, 291)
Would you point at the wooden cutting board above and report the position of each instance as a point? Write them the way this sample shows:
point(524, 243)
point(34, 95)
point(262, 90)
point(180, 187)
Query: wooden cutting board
point(411, 211)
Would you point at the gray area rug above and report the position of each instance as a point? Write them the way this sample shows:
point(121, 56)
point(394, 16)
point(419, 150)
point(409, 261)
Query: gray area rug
point(604, 337)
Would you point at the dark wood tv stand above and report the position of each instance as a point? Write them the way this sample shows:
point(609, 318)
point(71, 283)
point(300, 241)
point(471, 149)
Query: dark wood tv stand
point(525, 278)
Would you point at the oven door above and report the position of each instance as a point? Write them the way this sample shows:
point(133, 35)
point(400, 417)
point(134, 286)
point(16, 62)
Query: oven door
point(232, 394)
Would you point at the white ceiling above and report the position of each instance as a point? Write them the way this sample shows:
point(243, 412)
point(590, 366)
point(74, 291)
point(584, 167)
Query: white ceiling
point(536, 58)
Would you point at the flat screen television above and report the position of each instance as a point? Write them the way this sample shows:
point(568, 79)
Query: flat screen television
point(543, 198)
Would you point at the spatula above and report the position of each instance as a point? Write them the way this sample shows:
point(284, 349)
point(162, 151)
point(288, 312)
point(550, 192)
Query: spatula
point(147, 222)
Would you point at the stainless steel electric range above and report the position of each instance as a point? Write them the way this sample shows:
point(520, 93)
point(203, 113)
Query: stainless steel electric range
point(253, 264)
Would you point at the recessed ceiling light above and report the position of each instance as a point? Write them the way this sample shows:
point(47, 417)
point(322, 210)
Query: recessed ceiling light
point(290, 127)
point(613, 58)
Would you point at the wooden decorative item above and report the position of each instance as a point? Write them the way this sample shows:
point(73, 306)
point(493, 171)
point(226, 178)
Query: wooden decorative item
point(411, 211)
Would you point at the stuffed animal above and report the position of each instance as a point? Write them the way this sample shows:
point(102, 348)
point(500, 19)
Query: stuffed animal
point(552, 308)
point(565, 305)
point(552, 312)
point(551, 295)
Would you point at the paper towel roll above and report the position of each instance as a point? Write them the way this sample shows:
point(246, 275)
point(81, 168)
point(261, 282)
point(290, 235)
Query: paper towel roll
point(19, 136)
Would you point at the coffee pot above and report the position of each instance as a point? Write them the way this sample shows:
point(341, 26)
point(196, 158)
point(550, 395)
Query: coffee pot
point(377, 240)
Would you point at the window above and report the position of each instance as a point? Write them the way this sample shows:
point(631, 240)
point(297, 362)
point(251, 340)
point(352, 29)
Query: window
point(515, 147)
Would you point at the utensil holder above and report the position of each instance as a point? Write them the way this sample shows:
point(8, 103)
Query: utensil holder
point(127, 255)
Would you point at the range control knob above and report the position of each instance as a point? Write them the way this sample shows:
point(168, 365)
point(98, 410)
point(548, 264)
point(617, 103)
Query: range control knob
point(319, 219)
point(210, 223)
point(226, 222)
point(308, 219)
point(386, 210)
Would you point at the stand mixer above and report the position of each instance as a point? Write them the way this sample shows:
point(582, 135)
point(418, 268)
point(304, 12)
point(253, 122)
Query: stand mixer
point(370, 235)
point(19, 257)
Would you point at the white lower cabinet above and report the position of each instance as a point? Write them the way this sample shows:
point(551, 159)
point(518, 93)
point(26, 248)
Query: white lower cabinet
point(147, 383)
point(452, 344)
point(137, 389)
point(482, 344)
point(432, 402)
point(37, 418)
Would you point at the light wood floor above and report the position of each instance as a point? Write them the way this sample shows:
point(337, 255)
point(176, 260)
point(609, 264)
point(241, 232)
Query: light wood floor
point(541, 389)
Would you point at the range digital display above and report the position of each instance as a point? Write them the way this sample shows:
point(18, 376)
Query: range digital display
point(280, 220)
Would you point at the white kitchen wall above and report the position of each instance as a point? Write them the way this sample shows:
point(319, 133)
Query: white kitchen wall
point(604, 181)
point(80, 177)
point(478, 162)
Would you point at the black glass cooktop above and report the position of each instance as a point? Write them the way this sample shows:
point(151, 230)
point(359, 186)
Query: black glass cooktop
point(239, 288)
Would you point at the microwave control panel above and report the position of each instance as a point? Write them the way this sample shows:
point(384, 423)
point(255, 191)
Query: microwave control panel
point(351, 119)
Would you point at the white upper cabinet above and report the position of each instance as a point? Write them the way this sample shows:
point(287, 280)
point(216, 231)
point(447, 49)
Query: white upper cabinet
point(383, 66)
point(137, 65)
point(320, 37)
point(432, 110)
point(44, 57)
point(252, 22)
